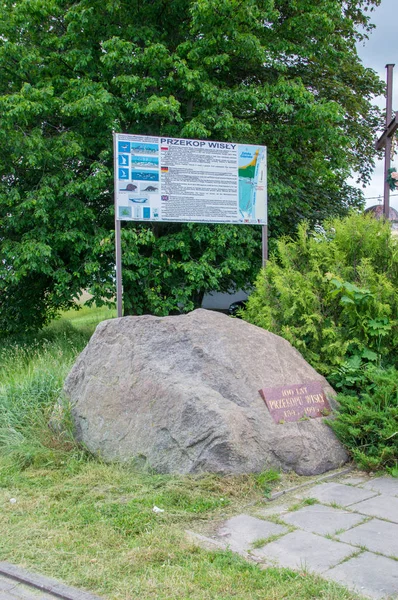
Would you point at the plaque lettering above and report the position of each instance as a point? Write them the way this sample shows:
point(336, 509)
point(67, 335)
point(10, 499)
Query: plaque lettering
point(295, 402)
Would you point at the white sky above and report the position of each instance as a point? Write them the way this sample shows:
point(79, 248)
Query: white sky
point(380, 49)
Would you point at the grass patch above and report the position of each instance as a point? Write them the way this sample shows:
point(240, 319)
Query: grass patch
point(92, 525)
point(266, 480)
point(87, 318)
point(278, 520)
point(304, 502)
point(257, 544)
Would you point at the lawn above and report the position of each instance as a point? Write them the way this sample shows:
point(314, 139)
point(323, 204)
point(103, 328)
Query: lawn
point(68, 515)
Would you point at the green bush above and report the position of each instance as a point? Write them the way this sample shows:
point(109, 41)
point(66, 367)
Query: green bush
point(333, 293)
point(367, 423)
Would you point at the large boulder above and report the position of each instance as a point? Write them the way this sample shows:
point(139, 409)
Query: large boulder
point(180, 394)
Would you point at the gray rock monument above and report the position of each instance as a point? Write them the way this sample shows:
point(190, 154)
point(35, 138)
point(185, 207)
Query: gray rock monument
point(180, 394)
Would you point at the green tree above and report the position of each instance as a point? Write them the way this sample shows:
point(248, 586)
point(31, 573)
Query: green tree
point(284, 73)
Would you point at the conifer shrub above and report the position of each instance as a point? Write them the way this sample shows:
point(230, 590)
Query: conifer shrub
point(367, 422)
point(333, 294)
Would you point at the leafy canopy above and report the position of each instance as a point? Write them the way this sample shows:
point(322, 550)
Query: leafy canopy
point(284, 73)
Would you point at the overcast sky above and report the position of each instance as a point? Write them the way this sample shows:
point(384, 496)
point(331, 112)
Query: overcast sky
point(380, 49)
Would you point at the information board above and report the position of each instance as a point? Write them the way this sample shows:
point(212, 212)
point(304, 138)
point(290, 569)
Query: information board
point(191, 181)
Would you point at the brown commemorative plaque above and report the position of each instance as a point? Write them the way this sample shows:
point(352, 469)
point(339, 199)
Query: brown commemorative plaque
point(294, 402)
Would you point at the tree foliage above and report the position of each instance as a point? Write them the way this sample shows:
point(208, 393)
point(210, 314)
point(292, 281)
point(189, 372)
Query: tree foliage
point(284, 73)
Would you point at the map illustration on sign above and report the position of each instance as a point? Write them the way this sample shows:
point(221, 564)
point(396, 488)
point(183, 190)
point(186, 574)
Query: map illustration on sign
point(191, 181)
point(252, 171)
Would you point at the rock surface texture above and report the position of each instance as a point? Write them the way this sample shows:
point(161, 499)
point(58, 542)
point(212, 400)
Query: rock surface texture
point(180, 394)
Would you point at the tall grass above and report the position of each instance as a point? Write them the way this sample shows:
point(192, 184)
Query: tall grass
point(32, 373)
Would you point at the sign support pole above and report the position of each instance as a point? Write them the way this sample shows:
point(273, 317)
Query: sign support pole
point(264, 245)
point(118, 242)
point(119, 286)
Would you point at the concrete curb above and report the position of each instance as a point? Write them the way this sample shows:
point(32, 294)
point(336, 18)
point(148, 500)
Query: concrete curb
point(308, 483)
point(45, 584)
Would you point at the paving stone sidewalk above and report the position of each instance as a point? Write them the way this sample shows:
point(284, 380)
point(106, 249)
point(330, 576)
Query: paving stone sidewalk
point(346, 531)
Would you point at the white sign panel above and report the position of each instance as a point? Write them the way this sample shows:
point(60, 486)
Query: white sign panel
point(191, 181)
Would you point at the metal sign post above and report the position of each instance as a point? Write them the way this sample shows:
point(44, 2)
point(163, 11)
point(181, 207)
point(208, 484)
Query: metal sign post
point(118, 241)
point(264, 245)
point(119, 284)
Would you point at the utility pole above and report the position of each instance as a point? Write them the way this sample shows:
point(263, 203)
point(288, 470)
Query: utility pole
point(385, 140)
